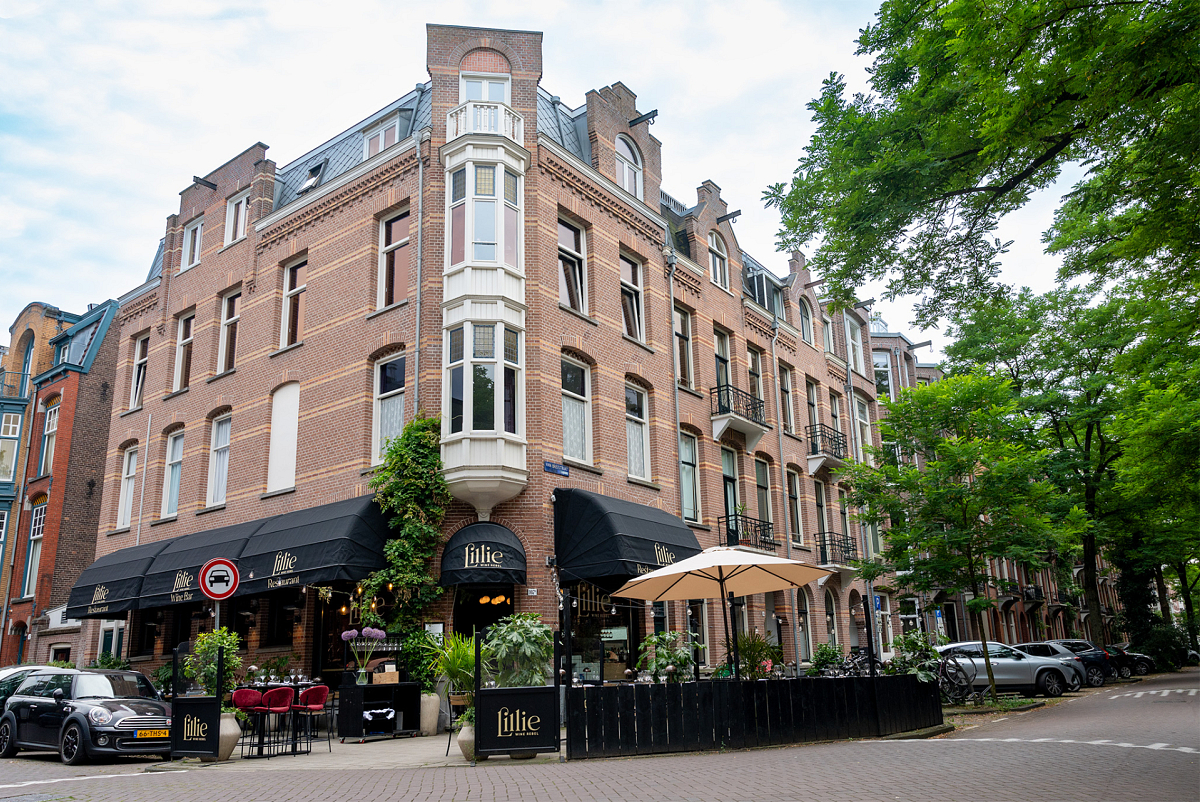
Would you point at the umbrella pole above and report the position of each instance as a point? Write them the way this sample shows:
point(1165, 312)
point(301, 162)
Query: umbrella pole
point(737, 658)
point(724, 613)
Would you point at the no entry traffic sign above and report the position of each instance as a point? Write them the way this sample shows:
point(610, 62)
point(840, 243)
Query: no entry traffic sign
point(219, 579)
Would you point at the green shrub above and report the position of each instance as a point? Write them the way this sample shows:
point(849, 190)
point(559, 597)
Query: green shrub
point(106, 660)
point(825, 656)
point(1166, 644)
point(201, 664)
point(521, 648)
point(663, 649)
point(758, 658)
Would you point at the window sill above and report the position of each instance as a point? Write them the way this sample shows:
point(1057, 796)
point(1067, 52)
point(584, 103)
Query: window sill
point(183, 270)
point(229, 245)
point(371, 470)
point(130, 411)
point(638, 343)
point(274, 649)
point(798, 547)
point(283, 350)
point(20, 600)
point(583, 466)
point(177, 392)
point(577, 314)
point(795, 437)
point(698, 525)
point(141, 658)
point(634, 480)
point(165, 520)
point(39, 478)
point(275, 493)
point(690, 391)
point(120, 531)
point(212, 379)
point(387, 309)
point(213, 508)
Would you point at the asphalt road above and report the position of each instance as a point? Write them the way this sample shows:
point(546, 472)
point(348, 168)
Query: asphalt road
point(1125, 742)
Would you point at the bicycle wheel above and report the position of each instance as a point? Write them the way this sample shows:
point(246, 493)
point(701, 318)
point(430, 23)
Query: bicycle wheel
point(957, 680)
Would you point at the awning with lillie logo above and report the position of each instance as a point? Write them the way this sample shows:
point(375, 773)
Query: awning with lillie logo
point(339, 541)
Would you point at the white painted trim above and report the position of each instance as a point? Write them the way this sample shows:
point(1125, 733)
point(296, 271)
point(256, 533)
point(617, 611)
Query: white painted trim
point(613, 187)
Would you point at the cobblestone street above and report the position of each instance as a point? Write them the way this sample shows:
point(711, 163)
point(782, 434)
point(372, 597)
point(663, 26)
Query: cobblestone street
point(1136, 741)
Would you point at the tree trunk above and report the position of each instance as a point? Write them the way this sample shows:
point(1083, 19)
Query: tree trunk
point(1189, 612)
point(987, 660)
point(1164, 601)
point(1091, 591)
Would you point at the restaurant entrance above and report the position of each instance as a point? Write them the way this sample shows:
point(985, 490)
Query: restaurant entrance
point(478, 607)
point(606, 634)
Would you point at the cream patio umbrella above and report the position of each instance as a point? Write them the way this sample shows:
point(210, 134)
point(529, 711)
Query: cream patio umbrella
point(721, 571)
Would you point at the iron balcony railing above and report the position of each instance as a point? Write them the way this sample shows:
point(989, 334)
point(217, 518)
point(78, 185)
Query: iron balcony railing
point(742, 530)
point(1067, 599)
point(1034, 593)
point(13, 384)
point(826, 440)
point(727, 399)
point(836, 548)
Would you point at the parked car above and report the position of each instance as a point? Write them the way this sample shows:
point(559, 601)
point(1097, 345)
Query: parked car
point(11, 679)
point(1130, 663)
point(1096, 662)
point(1062, 654)
point(1013, 670)
point(85, 713)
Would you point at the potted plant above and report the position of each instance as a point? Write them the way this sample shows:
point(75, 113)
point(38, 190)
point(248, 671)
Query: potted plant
point(669, 655)
point(454, 660)
point(521, 649)
point(201, 665)
point(363, 650)
point(416, 648)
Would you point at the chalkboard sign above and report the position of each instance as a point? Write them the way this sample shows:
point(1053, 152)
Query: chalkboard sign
point(516, 720)
point(195, 726)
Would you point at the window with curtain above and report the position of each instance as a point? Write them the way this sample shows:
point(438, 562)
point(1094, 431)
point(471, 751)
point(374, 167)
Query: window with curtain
point(689, 459)
point(572, 287)
point(218, 464)
point(576, 411)
point(173, 474)
point(683, 346)
point(33, 555)
point(793, 494)
point(637, 432)
point(631, 298)
point(285, 431)
point(129, 461)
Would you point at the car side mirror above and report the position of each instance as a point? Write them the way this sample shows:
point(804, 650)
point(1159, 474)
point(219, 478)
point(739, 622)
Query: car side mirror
point(1018, 656)
point(58, 695)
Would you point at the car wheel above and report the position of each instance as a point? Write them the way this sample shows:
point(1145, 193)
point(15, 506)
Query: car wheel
point(8, 743)
point(1124, 672)
point(1051, 684)
point(71, 749)
point(1141, 668)
point(1095, 676)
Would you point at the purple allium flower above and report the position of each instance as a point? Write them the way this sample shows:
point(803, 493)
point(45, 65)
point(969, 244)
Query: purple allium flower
point(350, 634)
point(371, 632)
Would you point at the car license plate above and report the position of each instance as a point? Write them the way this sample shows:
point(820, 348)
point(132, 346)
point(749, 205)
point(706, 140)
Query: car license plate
point(152, 734)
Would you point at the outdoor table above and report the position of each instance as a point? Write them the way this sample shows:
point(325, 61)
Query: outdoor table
point(296, 687)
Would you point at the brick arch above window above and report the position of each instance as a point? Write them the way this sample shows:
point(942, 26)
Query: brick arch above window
point(639, 381)
point(582, 356)
point(39, 500)
point(794, 468)
point(128, 444)
point(485, 59)
point(487, 43)
point(224, 409)
point(384, 351)
point(172, 428)
point(52, 400)
point(765, 457)
point(688, 427)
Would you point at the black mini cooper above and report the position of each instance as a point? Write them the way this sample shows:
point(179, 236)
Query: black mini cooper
point(84, 714)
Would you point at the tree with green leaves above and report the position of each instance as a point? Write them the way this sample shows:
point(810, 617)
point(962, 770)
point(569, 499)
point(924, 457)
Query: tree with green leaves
point(974, 106)
point(980, 493)
point(1060, 352)
point(409, 485)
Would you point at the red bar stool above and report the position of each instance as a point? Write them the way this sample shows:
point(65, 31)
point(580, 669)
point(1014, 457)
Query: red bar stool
point(311, 705)
point(277, 701)
point(245, 700)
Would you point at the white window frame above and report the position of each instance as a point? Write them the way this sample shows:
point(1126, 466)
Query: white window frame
point(854, 346)
point(386, 250)
point(632, 311)
point(690, 487)
point(762, 492)
point(10, 440)
point(33, 554)
point(292, 295)
point(193, 244)
point(237, 212)
point(862, 420)
point(827, 333)
point(806, 321)
point(637, 432)
point(141, 359)
point(580, 259)
point(718, 260)
point(891, 375)
point(487, 78)
point(218, 488)
point(785, 399)
point(172, 475)
point(586, 399)
point(835, 412)
point(628, 170)
point(686, 372)
point(377, 444)
point(226, 355)
point(284, 438)
point(721, 354)
point(821, 496)
point(49, 438)
point(129, 466)
point(795, 517)
point(379, 131)
point(184, 345)
point(754, 358)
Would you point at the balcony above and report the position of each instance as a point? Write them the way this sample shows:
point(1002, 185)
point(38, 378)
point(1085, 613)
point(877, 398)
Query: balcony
point(1034, 597)
point(1066, 600)
point(742, 530)
point(14, 384)
point(836, 550)
point(826, 447)
point(482, 117)
point(738, 410)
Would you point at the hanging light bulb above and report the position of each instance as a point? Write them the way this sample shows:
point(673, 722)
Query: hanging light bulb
point(574, 602)
point(613, 611)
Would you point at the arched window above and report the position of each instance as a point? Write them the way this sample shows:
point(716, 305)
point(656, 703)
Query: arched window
point(285, 426)
point(830, 619)
point(129, 465)
point(718, 259)
point(33, 554)
point(806, 325)
point(629, 167)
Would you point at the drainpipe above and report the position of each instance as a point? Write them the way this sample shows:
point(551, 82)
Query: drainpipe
point(137, 539)
point(787, 532)
point(672, 264)
point(869, 611)
point(425, 137)
point(30, 414)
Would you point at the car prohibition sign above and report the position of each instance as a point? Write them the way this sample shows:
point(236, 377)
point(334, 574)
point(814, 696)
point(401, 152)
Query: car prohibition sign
point(219, 579)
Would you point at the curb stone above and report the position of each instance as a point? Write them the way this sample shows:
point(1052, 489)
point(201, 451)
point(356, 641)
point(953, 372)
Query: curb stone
point(927, 732)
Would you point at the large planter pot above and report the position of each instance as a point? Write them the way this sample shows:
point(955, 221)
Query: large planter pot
point(430, 707)
point(466, 741)
point(227, 738)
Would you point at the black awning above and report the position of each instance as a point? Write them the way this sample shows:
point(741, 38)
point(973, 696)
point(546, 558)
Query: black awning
point(174, 576)
point(343, 540)
point(112, 585)
point(481, 554)
point(599, 536)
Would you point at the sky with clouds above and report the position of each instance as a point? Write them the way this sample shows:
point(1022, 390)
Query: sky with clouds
point(109, 108)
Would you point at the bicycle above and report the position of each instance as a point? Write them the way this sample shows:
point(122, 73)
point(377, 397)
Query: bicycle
point(955, 680)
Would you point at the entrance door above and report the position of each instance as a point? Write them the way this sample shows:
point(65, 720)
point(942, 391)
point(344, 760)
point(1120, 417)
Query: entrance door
point(477, 607)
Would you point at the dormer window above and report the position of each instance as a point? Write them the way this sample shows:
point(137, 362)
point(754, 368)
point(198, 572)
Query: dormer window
point(718, 260)
point(629, 167)
point(491, 88)
point(313, 179)
point(381, 137)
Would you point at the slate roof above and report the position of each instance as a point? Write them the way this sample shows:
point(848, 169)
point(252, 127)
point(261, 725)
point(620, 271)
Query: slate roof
point(156, 264)
point(566, 126)
point(345, 151)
